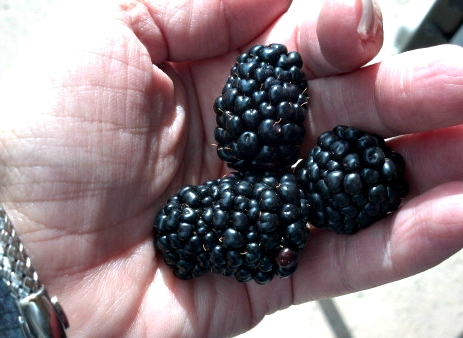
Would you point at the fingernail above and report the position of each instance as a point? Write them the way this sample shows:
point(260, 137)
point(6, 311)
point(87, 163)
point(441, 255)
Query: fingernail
point(367, 20)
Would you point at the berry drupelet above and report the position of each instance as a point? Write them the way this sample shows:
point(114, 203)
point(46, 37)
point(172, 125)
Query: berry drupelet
point(351, 179)
point(249, 226)
point(261, 110)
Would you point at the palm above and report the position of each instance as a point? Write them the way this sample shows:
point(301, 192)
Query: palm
point(115, 146)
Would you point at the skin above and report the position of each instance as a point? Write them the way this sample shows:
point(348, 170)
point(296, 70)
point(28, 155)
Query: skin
point(109, 111)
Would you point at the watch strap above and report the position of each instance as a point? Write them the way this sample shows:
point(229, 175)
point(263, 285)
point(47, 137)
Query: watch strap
point(39, 315)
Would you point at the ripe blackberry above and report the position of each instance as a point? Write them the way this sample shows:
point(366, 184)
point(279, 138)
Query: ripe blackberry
point(351, 179)
point(261, 110)
point(245, 225)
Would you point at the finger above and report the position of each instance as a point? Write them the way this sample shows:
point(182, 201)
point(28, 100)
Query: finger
point(348, 41)
point(329, 45)
point(412, 92)
point(431, 157)
point(190, 30)
point(420, 235)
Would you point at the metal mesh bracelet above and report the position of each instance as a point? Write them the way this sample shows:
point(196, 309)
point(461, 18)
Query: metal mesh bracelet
point(40, 315)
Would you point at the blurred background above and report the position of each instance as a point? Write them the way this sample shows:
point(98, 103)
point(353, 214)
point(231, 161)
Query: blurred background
point(427, 305)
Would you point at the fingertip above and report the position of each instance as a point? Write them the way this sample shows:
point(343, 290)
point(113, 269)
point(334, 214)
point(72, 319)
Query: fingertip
point(350, 32)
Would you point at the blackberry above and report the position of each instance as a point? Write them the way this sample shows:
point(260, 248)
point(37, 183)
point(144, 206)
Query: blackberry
point(351, 179)
point(249, 226)
point(261, 110)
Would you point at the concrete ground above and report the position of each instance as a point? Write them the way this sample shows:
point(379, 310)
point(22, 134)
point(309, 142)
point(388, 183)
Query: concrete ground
point(426, 305)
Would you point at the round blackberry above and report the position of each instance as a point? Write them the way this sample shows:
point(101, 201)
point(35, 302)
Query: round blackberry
point(351, 179)
point(261, 110)
point(245, 225)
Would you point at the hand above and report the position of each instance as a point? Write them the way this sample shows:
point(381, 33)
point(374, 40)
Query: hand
point(110, 112)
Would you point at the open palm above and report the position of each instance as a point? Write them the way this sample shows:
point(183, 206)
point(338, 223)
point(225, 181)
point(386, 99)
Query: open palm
point(116, 114)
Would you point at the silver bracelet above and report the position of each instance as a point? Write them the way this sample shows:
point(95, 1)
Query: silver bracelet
point(40, 315)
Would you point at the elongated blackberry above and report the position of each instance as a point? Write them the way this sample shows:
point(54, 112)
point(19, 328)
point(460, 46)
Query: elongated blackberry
point(351, 179)
point(246, 226)
point(261, 110)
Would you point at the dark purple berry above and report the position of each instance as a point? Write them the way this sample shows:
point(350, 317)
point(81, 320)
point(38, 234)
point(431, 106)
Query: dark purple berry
point(261, 111)
point(351, 179)
point(239, 231)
